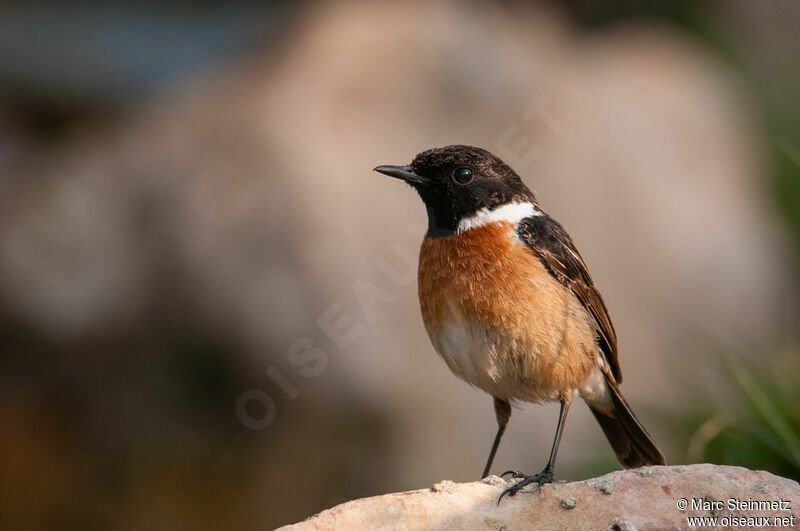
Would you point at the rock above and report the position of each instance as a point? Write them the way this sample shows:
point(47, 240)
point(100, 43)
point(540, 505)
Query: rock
point(569, 502)
point(646, 498)
point(604, 484)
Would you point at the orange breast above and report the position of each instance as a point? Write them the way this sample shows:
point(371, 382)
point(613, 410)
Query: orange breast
point(499, 319)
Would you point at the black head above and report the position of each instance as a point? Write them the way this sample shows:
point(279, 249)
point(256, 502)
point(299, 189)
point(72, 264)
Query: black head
point(455, 182)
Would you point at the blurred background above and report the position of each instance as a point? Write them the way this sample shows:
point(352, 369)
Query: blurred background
point(208, 308)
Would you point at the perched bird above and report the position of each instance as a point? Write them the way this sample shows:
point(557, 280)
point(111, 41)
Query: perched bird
point(509, 304)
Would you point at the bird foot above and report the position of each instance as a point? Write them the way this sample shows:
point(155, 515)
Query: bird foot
point(545, 476)
point(514, 474)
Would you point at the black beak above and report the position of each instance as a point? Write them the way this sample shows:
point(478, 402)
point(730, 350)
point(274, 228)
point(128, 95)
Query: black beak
point(402, 172)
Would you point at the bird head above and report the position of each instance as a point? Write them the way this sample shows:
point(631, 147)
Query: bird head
point(458, 182)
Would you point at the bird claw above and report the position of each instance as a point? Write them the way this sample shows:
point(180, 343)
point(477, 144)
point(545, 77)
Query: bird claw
point(543, 477)
point(516, 474)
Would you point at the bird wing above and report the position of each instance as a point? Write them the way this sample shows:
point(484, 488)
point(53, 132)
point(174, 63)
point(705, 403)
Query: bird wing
point(550, 242)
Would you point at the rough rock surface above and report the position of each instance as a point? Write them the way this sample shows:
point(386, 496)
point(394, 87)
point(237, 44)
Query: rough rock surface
point(644, 498)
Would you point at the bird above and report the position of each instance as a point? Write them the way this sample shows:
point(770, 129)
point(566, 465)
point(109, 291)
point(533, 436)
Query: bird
point(509, 304)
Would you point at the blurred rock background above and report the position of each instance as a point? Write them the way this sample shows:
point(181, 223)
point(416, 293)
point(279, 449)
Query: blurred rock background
point(187, 210)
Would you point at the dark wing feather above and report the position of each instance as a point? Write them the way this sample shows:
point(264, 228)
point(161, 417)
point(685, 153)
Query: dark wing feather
point(551, 243)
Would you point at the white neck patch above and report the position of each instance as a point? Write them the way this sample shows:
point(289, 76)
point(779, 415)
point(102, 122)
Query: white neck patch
point(511, 212)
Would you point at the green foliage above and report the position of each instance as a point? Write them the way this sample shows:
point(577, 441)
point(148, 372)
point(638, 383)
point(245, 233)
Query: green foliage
point(753, 420)
point(758, 426)
point(787, 182)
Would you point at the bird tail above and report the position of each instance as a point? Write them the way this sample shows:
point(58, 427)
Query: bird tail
point(628, 438)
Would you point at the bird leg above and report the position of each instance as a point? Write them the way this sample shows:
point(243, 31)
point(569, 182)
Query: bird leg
point(546, 475)
point(502, 411)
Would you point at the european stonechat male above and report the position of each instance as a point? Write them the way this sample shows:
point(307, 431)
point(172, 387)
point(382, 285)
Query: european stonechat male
point(509, 304)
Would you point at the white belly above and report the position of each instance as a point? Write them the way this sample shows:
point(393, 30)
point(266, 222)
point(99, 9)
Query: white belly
point(489, 361)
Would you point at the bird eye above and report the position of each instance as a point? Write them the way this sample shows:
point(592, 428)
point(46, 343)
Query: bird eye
point(463, 175)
